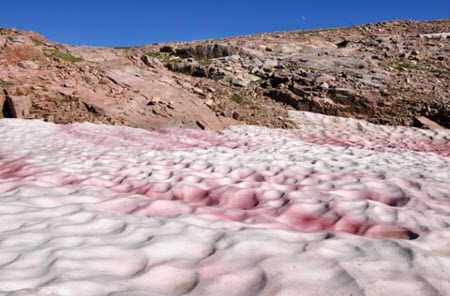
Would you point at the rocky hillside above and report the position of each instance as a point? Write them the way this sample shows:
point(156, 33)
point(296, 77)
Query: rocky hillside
point(395, 73)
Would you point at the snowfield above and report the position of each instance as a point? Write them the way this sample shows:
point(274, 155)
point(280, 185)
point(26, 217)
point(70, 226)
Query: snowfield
point(335, 207)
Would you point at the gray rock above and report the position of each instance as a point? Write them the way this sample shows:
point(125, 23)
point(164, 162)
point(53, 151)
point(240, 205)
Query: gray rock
point(252, 53)
point(207, 51)
point(254, 69)
point(243, 79)
point(324, 78)
point(2, 41)
point(28, 65)
point(151, 62)
point(269, 65)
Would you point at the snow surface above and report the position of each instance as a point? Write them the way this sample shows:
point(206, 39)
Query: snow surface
point(335, 207)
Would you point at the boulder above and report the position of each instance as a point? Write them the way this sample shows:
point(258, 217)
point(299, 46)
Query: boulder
point(342, 95)
point(207, 51)
point(152, 62)
point(236, 115)
point(284, 96)
point(342, 44)
point(201, 72)
point(423, 122)
point(184, 66)
point(154, 101)
point(2, 102)
point(278, 78)
point(16, 106)
point(2, 41)
point(28, 65)
point(324, 78)
point(94, 109)
point(248, 52)
point(167, 49)
point(242, 79)
point(269, 65)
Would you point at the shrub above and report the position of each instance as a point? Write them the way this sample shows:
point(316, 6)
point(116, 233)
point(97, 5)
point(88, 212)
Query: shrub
point(237, 98)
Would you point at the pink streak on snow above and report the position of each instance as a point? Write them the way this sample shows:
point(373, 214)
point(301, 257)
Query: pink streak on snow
point(186, 139)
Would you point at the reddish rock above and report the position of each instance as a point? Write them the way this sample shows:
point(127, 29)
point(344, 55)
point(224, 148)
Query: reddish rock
point(16, 106)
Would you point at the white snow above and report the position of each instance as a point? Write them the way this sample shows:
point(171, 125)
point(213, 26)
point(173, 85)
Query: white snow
point(335, 207)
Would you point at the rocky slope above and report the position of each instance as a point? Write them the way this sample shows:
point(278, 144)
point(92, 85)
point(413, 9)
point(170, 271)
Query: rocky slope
point(395, 73)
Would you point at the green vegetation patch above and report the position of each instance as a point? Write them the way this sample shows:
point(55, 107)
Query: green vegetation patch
point(204, 62)
point(5, 83)
point(154, 54)
point(443, 71)
point(296, 67)
point(168, 60)
point(395, 90)
point(34, 93)
point(237, 98)
point(292, 67)
point(165, 59)
point(65, 56)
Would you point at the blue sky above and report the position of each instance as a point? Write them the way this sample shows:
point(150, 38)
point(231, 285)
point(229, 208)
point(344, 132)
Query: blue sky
point(133, 22)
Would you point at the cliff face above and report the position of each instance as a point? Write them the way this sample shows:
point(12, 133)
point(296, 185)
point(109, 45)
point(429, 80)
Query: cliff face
point(394, 73)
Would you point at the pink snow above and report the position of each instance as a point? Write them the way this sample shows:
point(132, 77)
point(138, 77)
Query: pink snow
point(225, 213)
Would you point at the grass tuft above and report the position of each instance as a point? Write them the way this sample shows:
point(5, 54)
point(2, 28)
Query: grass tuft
point(237, 98)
